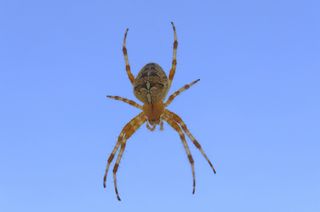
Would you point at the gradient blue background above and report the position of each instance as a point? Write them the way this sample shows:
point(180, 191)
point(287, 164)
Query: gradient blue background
point(255, 110)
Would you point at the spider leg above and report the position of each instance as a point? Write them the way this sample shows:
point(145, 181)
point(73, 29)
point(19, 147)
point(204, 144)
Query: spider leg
point(177, 128)
point(174, 56)
point(115, 169)
point(125, 54)
point(129, 129)
point(139, 118)
point(186, 130)
point(185, 87)
point(128, 101)
point(110, 159)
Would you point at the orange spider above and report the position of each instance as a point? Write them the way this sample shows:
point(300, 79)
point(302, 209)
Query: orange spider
point(151, 87)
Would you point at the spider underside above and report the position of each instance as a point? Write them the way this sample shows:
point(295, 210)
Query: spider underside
point(151, 87)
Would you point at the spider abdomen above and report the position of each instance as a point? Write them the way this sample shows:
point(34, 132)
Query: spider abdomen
point(151, 84)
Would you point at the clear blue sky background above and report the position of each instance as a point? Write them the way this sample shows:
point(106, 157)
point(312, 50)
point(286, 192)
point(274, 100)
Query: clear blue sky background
point(255, 110)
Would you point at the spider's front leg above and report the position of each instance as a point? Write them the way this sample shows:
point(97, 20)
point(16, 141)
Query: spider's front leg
point(177, 128)
point(178, 120)
point(125, 134)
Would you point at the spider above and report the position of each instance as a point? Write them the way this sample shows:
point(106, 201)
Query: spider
point(151, 87)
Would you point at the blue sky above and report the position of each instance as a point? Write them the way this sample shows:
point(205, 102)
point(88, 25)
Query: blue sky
point(255, 110)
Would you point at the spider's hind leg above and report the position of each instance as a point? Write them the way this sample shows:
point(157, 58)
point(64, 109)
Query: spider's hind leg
point(125, 54)
point(174, 56)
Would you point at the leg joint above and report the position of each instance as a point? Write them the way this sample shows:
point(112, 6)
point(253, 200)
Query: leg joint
point(190, 159)
point(110, 158)
point(124, 50)
point(175, 44)
point(197, 144)
point(115, 168)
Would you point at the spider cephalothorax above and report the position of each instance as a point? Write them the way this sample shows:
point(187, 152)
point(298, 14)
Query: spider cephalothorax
point(151, 87)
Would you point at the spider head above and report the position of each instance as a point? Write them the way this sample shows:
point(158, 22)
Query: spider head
point(153, 113)
point(153, 121)
point(151, 84)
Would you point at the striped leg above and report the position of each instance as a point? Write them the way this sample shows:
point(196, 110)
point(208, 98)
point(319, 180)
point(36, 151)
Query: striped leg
point(130, 128)
point(115, 169)
point(128, 101)
point(186, 130)
point(125, 54)
point(176, 127)
point(139, 118)
point(110, 159)
point(172, 96)
point(174, 56)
